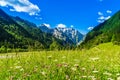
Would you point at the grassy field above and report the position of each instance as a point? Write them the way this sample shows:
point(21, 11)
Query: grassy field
point(99, 63)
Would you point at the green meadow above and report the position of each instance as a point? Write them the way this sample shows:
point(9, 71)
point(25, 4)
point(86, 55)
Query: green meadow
point(99, 63)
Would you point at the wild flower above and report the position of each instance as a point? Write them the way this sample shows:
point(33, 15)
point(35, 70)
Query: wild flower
point(110, 79)
point(118, 78)
point(11, 67)
point(76, 65)
point(43, 73)
point(21, 69)
point(49, 57)
point(94, 59)
point(18, 67)
point(83, 69)
point(18, 62)
point(118, 74)
point(55, 60)
point(11, 78)
point(63, 57)
point(26, 75)
point(83, 76)
point(107, 73)
point(95, 71)
point(73, 69)
point(67, 77)
point(65, 65)
point(92, 77)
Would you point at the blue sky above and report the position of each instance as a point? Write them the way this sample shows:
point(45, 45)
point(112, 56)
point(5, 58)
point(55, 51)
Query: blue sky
point(80, 14)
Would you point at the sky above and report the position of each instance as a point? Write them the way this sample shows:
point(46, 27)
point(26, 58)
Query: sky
point(82, 15)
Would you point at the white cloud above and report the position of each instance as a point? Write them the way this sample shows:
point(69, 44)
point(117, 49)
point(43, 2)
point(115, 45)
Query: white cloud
point(3, 3)
point(21, 6)
point(100, 13)
point(100, 21)
point(109, 11)
point(108, 17)
point(101, 18)
point(47, 25)
point(104, 18)
point(90, 28)
point(61, 26)
point(71, 26)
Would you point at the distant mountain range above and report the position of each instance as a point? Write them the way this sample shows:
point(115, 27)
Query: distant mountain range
point(66, 34)
point(108, 31)
point(16, 32)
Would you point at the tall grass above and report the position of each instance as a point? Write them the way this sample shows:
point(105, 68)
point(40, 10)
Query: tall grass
point(99, 63)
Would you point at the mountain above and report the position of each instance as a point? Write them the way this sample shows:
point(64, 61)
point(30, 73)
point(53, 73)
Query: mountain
point(108, 31)
point(19, 33)
point(46, 29)
point(67, 34)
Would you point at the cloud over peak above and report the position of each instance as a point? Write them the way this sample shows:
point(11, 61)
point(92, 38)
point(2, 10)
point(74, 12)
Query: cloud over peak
point(90, 28)
point(47, 25)
point(61, 26)
point(21, 6)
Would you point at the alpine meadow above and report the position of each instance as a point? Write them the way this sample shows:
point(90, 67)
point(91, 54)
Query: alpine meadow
point(59, 40)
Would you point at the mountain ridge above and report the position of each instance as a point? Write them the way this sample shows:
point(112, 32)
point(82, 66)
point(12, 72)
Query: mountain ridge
point(66, 34)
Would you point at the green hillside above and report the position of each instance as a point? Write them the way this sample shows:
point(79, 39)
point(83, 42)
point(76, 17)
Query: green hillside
point(109, 31)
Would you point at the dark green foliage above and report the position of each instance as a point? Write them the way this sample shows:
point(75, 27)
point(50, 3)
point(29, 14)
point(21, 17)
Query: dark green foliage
point(104, 32)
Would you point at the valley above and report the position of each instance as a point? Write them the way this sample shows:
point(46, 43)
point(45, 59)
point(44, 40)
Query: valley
point(59, 40)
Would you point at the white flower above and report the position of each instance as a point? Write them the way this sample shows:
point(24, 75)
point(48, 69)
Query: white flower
point(84, 76)
point(118, 74)
point(64, 57)
point(76, 65)
point(17, 67)
point(92, 77)
point(95, 71)
point(55, 60)
point(43, 73)
point(94, 59)
point(118, 78)
point(21, 69)
point(110, 79)
point(83, 69)
point(106, 73)
point(49, 57)
point(73, 69)
point(67, 77)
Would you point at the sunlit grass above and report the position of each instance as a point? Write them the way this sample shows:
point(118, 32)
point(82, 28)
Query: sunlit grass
point(99, 63)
